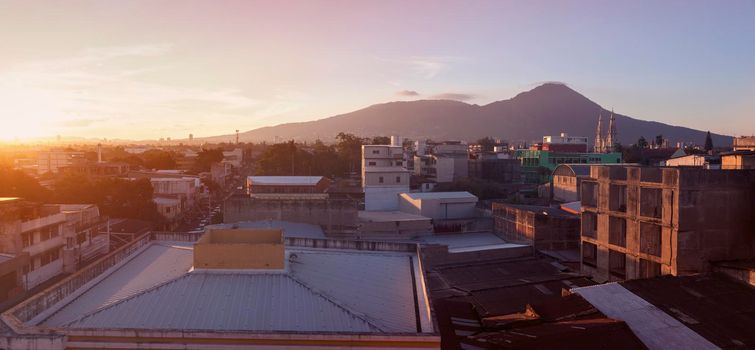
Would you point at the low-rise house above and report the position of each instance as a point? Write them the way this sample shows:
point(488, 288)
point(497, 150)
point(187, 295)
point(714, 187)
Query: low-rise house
point(738, 160)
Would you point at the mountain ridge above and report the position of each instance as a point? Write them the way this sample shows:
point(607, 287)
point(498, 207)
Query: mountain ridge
point(548, 109)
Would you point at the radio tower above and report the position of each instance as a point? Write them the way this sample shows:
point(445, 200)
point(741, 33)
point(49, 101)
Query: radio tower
point(237, 136)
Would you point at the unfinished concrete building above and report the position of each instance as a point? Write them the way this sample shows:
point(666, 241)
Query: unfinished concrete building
point(544, 228)
point(640, 222)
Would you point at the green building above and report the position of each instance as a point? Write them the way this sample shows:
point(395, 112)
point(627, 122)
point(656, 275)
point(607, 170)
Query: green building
point(537, 166)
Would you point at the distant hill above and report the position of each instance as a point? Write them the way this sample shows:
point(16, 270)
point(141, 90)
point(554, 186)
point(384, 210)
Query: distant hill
point(548, 109)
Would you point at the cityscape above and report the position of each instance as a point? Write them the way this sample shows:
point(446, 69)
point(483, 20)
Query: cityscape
point(377, 175)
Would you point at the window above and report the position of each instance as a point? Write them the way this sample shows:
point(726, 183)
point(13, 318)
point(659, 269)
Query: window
point(651, 202)
point(590, 224)
point(26, 239)
point(618, 198)
point(380, 179)
point(650, 239)
point(371, 163)
point(375, 151)
point(649, 269)
point(617, 231)
point(589, 254)
point(617, 263)
point(398, 179)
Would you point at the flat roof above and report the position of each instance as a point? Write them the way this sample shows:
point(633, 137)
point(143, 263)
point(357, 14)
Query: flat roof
point(385, 169)
point(285, 180)
point(290, 229)
point(389, 216)
point(440, 195)
point(320, 290)
point(469, 242)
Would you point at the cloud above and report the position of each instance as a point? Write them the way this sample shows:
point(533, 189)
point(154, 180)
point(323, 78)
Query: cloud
point(453, 96)
point(79, 122)
point(407, 93)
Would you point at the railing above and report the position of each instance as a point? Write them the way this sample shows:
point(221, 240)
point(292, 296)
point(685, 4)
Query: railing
point(37, 304)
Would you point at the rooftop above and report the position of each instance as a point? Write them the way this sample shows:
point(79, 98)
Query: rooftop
point(285, 180)
point(440, 195)
point(389, 216)
point(468, 242)
point(385, 169)
point(290, 229)
point(320, 290)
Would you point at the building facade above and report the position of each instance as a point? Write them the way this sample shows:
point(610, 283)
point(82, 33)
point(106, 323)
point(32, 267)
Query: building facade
point(537, 166)
point(544, 228)
point(640, 222)
point(738, 160)
point(384, 175)
point(51, 161)
point(287, 187)
point(744, 143)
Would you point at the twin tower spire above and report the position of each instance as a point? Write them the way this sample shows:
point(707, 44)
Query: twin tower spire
point(607, 144)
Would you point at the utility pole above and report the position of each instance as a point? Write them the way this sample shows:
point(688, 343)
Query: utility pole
point(237, 136)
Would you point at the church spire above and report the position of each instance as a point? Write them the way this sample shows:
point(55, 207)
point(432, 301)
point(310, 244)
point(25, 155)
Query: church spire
point(611, 137)
point(598, 148)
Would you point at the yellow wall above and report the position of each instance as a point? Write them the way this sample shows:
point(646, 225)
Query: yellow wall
point(240, 249)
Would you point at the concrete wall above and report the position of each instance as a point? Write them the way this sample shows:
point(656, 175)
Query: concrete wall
point(566, 188)
point(335, 216)
point(383, 198)
point(240, 249)
point(450, 208)
point(545, 232)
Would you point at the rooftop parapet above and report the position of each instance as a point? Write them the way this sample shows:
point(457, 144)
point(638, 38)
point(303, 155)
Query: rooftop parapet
point(240, 249)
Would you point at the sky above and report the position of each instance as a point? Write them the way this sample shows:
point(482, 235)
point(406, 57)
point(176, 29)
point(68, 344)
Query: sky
point(151, 69)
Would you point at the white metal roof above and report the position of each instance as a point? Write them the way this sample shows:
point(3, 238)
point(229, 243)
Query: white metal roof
point(321, 290)
point(440, 195)
point(290, 229)
point(467, 242)
point(285, 180)
point(655, 328)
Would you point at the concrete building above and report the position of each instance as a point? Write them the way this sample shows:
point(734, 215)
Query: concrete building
point(538, 166)
point(290, 293)
point(566, 182)
point(491, 168)
point(694, 160)
point(443, 162)
point(51, 161)
point(287, 187)
point(384, 175)
point(640, 222)
point(85, 235)
point(439, 205)
point(234, 157)
point(95, 169)
point(744, 143)
point(738, 160)
point(562, 143)
point(545, 228)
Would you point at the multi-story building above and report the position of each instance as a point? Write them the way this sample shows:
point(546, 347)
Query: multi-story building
point(738, 160)
point(443, 161)
point(537, 166)
point(85, 235)
point(384, 175)
point(542, 227)
point(51, 161)
point(491, 168)
point(642, 222)
point(744, 143)
point(287, 187)
point(562, 143)
point(234, 157)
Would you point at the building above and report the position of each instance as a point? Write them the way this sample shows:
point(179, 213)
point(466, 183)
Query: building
point(491, 168)
point(738, 160)
point(562, 143)
point(443, 162)
point(640, 222)
point(384, 175)
point(235, 289)
point(95, 169)
point(51, 161)
point(439, 205)
point(86, 235)
point(291, 187)
point(566, 182)
point(706, 311)
point(605, 144)
point(694, 160)
point(545, 228)
point(744, 143)
point(234, 157)
point(538, 166)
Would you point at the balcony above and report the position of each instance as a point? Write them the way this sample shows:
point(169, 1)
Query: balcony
point(45, 245)
point(38, 223)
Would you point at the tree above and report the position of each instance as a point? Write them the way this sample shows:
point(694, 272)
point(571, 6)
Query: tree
point(349, 147)
point(659, 140)
point(708, 143)
point(158, 159)
point(487, 144)
point(642, 143)
point(381, 140)
point(16, 183)
point(205, 158)
point(114, 197)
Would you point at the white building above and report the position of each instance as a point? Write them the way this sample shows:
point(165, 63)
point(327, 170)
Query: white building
point(84, 235)
point(444, 162)
point(50, 161)
point(234, 157)
point(439, 205)
point(384, 175)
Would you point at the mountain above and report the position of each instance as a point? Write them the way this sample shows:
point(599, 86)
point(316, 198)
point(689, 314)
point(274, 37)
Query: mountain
point(548, 109)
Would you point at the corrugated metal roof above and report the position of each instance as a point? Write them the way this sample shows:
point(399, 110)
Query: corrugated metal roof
point(321, 290)
point(286, 180)
point(654, 327)
point(468, 241)
point(219, 301)
point(156, 264)
point(290, 229)
point(378, 286)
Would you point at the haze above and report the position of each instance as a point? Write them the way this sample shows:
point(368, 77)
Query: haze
point(151, 69)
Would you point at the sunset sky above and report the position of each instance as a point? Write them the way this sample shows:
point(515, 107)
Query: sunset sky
point(150, 69)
